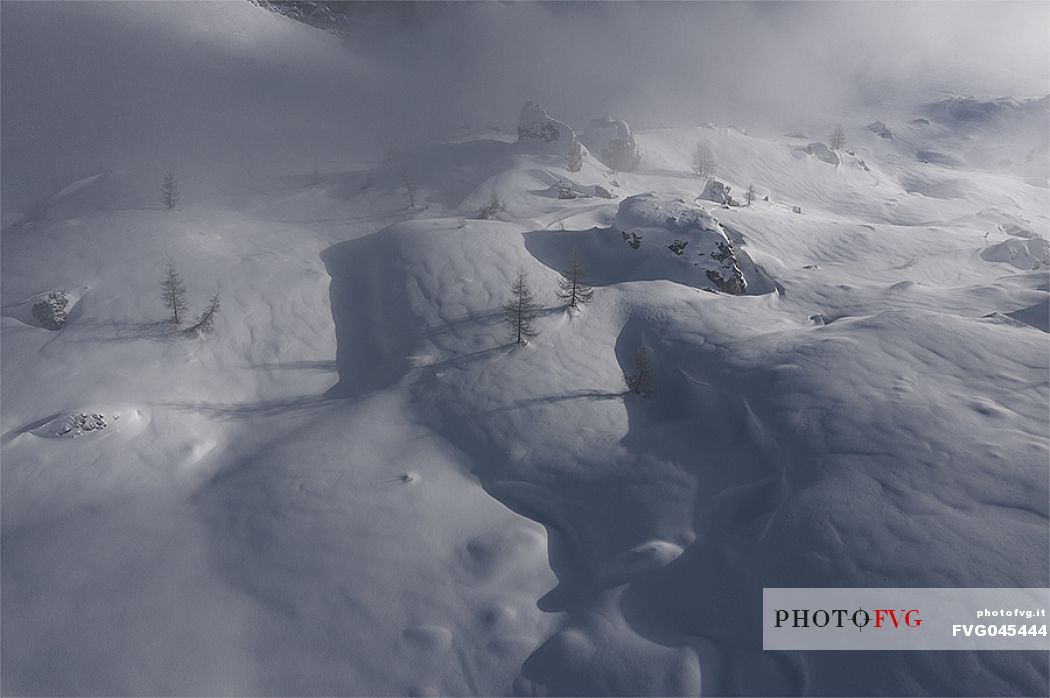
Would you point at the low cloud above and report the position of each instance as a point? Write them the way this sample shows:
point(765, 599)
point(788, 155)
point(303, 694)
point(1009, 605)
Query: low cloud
point(90, 85)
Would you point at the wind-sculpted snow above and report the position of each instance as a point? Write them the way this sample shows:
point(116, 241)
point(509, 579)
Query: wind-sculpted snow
point(357, 486)
point(772, 454)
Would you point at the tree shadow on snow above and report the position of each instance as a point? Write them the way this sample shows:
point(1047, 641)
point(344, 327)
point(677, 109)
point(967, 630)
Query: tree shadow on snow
point(378, 333)
point(234, 410)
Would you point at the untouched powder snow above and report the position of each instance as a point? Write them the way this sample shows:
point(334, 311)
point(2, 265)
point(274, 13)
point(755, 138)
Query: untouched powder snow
point(357, 485)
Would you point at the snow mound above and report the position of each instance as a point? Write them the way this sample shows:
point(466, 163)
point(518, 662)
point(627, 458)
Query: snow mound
point(1018, 230)
point(937, 157)
point(1024, 254)
point(935, 188)
point(683, 230)
point(77, 423)
point(648, 556)
point(39, 209)
point(538, 130)
point(611, 141)
point(1010, 222)
point(49, 310)
point(73, 425)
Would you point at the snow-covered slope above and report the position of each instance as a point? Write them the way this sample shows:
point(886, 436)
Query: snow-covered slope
point(356, 486)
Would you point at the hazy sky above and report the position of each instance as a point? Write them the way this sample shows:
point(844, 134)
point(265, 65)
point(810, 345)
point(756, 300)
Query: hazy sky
point(689, 62)
point(87, 85)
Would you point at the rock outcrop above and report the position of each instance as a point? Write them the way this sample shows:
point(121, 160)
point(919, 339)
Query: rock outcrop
point(50, 312)
point(681, 232)
point(717, 192)
point(612, 143)
point(539, 131)
point(880, 129)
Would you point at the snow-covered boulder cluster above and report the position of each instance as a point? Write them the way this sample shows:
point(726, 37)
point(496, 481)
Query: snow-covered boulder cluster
point(538, 130)
point(50, 311)
point(72, 425)
point(611, 141)
point(679, 228)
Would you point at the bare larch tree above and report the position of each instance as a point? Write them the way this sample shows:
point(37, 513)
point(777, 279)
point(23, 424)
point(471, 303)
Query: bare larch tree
point(520, 310)
point(493, 208)
point(640, 379)
point(838, 137)
point(169, 191)
point(206, 320)
point(174, 294)
point(573, 286)
point(703, 161)
point(575, 156)
point(410, 188)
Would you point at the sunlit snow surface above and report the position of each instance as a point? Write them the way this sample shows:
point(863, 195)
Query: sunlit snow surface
point(356, 486)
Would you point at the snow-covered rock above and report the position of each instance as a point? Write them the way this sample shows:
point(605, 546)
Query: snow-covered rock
point(823, 153)
point(679, 229)
point(539, 131)
point(717, 192)
point(880, 129)
point(565, 191)
point(49, 309)
point(50, 312)
point(611, 141)
point(566, 188)
point(73, 425)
